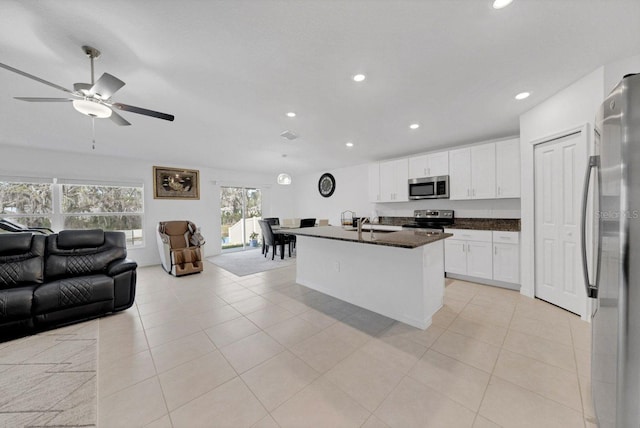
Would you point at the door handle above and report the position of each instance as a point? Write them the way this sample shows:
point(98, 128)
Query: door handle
point(592, 289)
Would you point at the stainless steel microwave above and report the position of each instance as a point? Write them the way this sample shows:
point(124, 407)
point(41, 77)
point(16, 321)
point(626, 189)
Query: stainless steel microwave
point(429, 187)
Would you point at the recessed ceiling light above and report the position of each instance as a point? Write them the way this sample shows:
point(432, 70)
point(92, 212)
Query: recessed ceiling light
point(499, 4)
point(291, 114)
point(414, 126)
point(348, 144)
point(522, 95)
point(359, 77)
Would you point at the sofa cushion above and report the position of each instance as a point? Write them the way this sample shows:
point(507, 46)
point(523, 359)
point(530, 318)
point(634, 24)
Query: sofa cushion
point(70, 292)
point(70, 239)
point(15, 303)
point(82, 260)
point(21, 259)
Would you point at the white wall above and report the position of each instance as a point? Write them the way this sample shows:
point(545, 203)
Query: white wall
point(277, 200)
point(615, 71)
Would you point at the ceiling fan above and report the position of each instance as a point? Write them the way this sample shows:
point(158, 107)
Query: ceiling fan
point(92, 99)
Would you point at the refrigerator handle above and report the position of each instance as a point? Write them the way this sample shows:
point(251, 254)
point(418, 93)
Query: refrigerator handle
point(592, 289)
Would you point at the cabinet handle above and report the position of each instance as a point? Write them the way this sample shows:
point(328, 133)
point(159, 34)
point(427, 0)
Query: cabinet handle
point(498, 190)
point(495, 250)
point(468, 192)
point(468, 248)
point(474, 192)
point(429, 172)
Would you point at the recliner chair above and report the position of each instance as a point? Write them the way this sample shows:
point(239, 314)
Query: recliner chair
point(180, 243)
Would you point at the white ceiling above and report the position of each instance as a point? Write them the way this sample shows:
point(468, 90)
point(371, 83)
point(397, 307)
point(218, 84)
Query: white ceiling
point(229, 70)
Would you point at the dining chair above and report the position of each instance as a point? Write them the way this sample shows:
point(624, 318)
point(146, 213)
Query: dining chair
point(271, 239)
point(308, 222)
point(274, 221)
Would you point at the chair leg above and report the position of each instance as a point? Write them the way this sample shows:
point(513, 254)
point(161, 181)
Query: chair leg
point(289, 248)
point(273, 253)
point(266, 250)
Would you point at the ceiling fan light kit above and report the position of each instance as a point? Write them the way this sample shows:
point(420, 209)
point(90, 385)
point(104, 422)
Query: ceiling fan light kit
point(92, 99)
point(92, 109)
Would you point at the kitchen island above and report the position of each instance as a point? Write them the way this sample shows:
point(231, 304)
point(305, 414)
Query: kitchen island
point(396, 274)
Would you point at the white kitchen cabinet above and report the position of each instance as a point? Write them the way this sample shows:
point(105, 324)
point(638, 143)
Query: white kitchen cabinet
point(506, 257)
point(508, 168)
point(483, 171)
point(460, 174)
point(472, 172)
point(468, 252)
point(374, 182)
point(429, 165)
point(394, 177)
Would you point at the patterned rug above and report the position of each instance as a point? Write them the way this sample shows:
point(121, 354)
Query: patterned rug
point(247, 262)
point(49, 379)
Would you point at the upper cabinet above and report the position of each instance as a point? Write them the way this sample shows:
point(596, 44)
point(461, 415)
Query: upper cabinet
point(472, 172)
point(388, 181)
point(430, 165)
point(486, 171)
point(508, 168)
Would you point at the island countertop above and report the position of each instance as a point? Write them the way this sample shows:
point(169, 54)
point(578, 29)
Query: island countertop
point(401, 238)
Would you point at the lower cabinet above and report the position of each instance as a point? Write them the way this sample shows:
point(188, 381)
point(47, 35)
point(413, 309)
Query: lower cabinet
point(468, 252)
point(506, 257)
point(483, 254)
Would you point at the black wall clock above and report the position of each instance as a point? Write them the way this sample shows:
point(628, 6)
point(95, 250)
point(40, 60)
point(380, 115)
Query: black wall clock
point(326, 185)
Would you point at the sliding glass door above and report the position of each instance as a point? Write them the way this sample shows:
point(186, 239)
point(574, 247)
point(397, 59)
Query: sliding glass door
point(240, 210)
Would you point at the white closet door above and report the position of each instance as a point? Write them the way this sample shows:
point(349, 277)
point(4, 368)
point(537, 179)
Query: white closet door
point(558, 188)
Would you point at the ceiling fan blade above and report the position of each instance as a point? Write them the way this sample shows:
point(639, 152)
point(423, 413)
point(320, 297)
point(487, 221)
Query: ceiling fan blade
point(119, 120)
point(37, 79)
point(106, 86)
point(44, 100)
point(144, 111)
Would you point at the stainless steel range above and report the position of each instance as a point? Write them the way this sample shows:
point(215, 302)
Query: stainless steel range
point(431, 220)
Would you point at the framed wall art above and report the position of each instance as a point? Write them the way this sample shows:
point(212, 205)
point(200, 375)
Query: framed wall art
point(175, 183)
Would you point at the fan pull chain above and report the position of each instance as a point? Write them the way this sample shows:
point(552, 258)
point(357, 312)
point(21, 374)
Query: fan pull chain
point(93, 133)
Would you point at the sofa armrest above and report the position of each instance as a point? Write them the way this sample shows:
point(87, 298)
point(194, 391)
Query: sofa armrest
point(120, 266)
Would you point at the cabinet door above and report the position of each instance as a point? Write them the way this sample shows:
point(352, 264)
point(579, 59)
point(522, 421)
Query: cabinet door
point(374, 182)
point(460, 174)
point(387, 181)
point(508, 169)
point(418, 166)
point(401, 180)
point(455, 256)
point(438, 164)
point(506, 263)
point(483, 171)
point(479, 259)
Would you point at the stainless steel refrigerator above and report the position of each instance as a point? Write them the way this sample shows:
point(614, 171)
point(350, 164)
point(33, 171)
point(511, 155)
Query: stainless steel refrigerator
point(612, 264)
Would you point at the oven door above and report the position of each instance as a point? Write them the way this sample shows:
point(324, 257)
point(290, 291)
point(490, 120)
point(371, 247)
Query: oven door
point(422, 188)
point(429, 187)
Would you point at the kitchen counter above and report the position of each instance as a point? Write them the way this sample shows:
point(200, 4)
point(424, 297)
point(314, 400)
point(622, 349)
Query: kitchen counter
point(499, 224)
point(401, 238)
point(397, 274)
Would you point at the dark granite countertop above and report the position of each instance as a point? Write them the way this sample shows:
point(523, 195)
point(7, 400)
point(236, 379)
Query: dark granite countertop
point(401, 238)
point(499, 224)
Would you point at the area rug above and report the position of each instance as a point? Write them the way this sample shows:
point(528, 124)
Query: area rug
point(242, 263)
point(49, 379)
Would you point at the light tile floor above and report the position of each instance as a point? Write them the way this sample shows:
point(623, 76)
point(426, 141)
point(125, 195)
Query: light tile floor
point(215, 349)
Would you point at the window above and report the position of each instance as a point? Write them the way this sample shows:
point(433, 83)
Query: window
point(104, 207)
point(75, 205)
point(27, 203)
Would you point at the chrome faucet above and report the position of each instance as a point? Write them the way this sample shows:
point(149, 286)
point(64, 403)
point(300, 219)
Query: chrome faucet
point(361, 221)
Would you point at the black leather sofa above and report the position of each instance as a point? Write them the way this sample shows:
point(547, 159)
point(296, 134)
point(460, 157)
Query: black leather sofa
point(62, 278)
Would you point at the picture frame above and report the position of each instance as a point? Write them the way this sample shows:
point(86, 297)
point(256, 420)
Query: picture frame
point(176, 183)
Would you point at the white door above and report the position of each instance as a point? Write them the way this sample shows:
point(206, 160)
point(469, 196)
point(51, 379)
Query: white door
point(387, 181)
point(401, 178)
point(455, 256)
point(418, 166)
point(506, 262)
point(460, 174)
point(508, 169)
point(438, 164)
point(479, 259)
point(559, 165)
point(483, 171)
